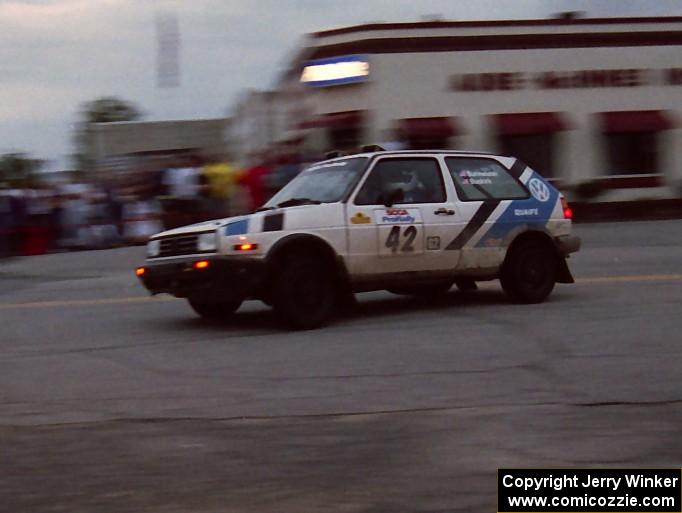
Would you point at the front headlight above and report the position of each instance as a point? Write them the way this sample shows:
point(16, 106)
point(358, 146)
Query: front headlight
point(153, 248)
point(207, 242)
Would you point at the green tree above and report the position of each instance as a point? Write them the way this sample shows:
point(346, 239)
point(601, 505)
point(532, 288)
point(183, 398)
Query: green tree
point(17, 169)
point(108, 109)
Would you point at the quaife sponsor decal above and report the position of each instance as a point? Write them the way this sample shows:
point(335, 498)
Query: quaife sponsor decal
point(526, 212)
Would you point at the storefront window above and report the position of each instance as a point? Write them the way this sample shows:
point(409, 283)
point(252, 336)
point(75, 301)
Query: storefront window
point(345, 138)
point(632, 153)
point(536, 150)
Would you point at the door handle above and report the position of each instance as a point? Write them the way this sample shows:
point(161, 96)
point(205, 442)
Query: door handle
point(444, 212)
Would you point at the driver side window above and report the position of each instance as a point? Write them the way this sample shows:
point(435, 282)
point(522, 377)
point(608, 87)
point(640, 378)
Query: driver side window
point(420, 181)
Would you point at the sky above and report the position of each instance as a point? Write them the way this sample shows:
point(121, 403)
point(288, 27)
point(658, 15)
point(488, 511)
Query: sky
point(55, 55)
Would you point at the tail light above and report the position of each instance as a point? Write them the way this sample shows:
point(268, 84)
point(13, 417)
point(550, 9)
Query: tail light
point(568, 211)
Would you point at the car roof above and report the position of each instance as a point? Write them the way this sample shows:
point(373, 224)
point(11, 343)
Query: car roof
point(415, 152)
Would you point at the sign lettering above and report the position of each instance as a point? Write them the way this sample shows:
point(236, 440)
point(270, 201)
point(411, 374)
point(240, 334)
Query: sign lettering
point(557, 80)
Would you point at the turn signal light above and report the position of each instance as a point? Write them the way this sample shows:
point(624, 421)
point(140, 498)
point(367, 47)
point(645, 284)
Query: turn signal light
point(568, 211)
point(140, 271)
point(201, 264)
point(245, 247)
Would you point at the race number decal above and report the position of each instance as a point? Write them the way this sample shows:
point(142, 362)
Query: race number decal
point(402, 240)
point(401, 231)
point(395, 244)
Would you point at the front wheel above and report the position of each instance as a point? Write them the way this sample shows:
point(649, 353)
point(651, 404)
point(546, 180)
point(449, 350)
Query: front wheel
point(304, 293)
point(529, 272)
point(214, 309)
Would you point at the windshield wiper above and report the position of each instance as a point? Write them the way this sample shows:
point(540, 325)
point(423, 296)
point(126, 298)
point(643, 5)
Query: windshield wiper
point(263, 209)
point(298, 201)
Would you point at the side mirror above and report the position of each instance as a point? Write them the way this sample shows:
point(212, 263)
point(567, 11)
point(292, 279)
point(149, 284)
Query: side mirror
point(393, 197)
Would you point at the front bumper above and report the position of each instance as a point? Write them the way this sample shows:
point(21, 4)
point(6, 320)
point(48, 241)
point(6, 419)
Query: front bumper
point(567, 244)
point(221, 277)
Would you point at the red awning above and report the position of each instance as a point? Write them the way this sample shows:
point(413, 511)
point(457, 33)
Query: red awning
point(529, 123)
point(346, 119)
point(428, 128)
point(308, 123)
point(635, 121)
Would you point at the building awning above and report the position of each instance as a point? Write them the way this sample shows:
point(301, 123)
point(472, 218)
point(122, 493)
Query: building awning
point(428, 128)
point(635, 121)
point(345, 119)
point(529, 123)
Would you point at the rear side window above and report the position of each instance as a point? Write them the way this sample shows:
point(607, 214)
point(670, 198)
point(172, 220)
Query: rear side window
point(478, 179)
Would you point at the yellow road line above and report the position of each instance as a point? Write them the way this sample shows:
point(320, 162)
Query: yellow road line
point(596, 280)
point(632, 278)
point(84, 302)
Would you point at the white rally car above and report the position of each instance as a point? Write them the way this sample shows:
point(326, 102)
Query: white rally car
point(411, 222)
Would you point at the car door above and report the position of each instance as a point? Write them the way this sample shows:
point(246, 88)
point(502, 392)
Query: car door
point(410, 234)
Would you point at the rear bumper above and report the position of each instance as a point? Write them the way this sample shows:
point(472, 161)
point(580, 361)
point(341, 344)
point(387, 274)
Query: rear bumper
point(224, 277)
point(567, 244)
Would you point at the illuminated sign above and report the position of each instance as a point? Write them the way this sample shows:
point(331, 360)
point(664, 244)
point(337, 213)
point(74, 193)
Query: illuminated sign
point(335, 71)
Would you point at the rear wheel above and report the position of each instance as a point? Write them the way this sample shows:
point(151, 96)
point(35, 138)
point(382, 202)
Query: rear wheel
point(529, 271)
point(214, 309)
point(304, 292)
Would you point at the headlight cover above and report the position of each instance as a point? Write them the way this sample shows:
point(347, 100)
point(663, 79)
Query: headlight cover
point(153, 248)
point(207, 242)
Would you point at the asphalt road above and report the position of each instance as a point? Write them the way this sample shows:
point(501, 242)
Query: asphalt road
point(113, 401)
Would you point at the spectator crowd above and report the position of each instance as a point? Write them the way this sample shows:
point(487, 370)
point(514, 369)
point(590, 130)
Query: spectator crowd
point(125, 205)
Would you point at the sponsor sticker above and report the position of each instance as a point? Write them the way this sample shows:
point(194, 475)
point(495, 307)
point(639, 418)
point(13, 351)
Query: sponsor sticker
point(398, 216)
point(522, 212)
point(433, 243)
point(479, 177)
point(360, 218)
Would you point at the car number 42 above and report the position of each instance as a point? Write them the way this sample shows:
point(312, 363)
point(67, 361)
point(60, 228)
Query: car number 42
point(401, 239)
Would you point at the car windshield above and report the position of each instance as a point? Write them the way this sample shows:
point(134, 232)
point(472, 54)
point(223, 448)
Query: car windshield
point(324, 182)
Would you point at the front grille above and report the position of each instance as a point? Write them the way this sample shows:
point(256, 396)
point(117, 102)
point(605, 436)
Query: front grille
point(182, 245)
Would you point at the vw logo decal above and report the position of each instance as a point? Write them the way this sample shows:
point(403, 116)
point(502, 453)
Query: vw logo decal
point(539, 189)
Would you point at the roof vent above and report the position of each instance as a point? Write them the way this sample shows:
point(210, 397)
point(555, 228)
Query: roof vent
point(371, 148)
point(335, 154)
point(570, 15)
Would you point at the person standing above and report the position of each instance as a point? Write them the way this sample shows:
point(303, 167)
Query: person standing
point(5, 222)
point(254, 180)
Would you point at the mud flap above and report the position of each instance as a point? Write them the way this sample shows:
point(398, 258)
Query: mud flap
point(563, 272)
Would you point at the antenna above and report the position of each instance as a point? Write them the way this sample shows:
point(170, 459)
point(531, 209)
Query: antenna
point(168, 50)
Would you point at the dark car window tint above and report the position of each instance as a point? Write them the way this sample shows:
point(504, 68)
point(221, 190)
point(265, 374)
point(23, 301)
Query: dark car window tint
point(419, 179)
point(479, 179)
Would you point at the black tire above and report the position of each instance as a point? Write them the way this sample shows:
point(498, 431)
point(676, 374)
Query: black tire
point(529, 271)
point(304, 292)
point(425, 290)
point(214, 309)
